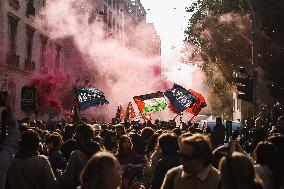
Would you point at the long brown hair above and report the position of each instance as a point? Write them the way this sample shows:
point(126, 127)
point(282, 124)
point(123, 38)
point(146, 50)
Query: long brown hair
point(97, 173)
point(120, 143)
point(237, 172)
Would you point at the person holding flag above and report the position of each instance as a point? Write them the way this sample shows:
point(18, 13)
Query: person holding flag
point(130, 113)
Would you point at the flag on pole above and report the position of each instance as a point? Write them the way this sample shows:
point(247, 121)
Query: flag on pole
point(130, 113)
point(181, 98)
point(196, 108)
point(120, 114)
point(88, 97)
point(150, 102)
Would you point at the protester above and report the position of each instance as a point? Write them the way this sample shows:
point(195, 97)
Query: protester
point(78, 159)
point(126, 155)
point(28, 169)
point(280, 126)
point(146, 134)
point(55, 156)
point(268, 165)
point(168, 143)
point(102, 171)
point(196, 170)
point(159, 155)
point(237, 172)
point(218, 133)
point(109, 138)
point(8, 143)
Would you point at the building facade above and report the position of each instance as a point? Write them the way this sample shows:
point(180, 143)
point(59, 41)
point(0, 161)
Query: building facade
point(24, 48)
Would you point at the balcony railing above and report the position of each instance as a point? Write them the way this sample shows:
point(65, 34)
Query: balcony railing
point(13, 60)
point(30, 9)
point(29, 65)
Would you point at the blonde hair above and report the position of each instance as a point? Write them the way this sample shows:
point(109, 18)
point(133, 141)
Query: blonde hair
point(97, 172)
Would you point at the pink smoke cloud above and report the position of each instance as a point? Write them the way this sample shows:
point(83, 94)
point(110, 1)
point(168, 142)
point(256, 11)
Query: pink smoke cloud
point(120, 70)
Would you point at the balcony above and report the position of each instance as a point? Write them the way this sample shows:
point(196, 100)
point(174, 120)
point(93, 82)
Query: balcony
point(13, 60)
point(30, 9)
point(15, 4)
point(29, 65)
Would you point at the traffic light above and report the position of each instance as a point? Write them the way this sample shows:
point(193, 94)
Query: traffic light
point(245, 88)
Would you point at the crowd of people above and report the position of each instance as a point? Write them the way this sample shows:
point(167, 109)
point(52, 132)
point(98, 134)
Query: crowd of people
point(134, 155)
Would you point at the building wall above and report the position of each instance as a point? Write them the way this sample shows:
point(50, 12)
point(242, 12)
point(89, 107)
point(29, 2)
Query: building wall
point(13, 78)
point(241, 109)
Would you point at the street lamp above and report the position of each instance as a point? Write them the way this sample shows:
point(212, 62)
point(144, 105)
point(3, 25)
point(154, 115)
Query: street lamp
point(253, 54)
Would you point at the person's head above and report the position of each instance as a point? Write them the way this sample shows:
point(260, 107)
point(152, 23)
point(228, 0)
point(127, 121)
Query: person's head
point(266, 154)
point(84, 132)
point(29, 140)
point(53, 141)
point(32, 123)
point(249, 122)
point(124, 143)
point(219, 121)
point(258, 122)
point(102, 171)
point(109, 139)
point(195, 153)
point(147, 133)
point(153, 143)
point(237, 171)
point(119, 129)
point(168, 143)
point(280, 124)
point(218, 154)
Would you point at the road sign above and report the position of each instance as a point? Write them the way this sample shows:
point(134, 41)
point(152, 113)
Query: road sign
point(28, 98)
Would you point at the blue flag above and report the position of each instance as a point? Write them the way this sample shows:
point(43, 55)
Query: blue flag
point(88, 97)
point(181, 98)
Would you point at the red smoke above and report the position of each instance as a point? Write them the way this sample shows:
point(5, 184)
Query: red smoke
point(48, 90)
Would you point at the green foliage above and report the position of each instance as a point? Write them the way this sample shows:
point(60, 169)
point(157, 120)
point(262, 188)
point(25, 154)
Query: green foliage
point(221, 29)
point(223, 39)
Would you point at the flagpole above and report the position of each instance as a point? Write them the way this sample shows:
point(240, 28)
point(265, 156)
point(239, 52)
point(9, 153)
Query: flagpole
point(76, 108)
point(176, 116)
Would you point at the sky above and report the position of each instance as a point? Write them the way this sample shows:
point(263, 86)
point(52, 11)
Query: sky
point(170, 20)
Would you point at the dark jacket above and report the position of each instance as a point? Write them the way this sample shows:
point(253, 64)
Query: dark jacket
point(164, 164)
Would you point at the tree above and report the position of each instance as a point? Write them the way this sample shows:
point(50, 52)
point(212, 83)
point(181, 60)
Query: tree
point(222, 32)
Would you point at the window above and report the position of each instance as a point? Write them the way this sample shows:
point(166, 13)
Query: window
point(29, 42)
point(13, 25)
point(43, 41)
point(30, 8)
point(58, 56)
point(12, 58)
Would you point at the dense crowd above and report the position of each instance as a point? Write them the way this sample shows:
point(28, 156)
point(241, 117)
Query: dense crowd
point(133, 155)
